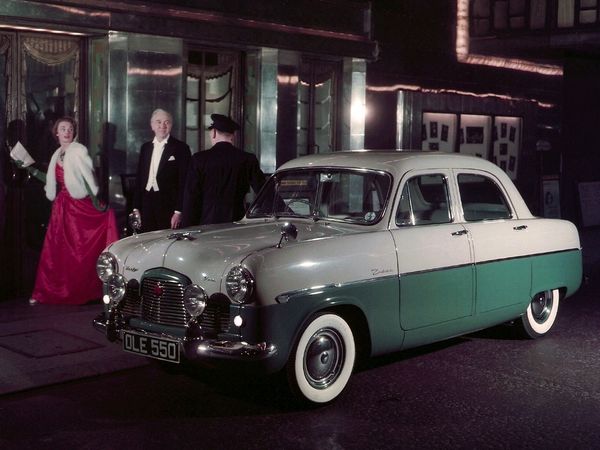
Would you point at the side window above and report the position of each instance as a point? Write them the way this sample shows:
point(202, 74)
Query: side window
point(424, 201)
point(482, 199)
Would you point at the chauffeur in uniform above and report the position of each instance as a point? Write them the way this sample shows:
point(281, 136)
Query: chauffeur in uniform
point(160, 182)
point(220, 177)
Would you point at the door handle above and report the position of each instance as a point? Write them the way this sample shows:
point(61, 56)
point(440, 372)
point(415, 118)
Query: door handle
point(459, 233)
point(520, 227)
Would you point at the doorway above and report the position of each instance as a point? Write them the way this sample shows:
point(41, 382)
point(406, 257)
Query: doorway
point(39, 82)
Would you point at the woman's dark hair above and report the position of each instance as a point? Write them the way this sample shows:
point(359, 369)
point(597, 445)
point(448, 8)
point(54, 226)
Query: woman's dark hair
point(65, 119)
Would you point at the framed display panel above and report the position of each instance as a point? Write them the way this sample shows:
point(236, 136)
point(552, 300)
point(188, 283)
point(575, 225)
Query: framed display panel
point(474, 135)
point(589, 202)
point(507, 144)
point(438, 132)
point(551, 197)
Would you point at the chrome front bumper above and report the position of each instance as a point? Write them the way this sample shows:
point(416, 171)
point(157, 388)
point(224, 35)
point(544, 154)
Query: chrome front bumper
point(194, 346)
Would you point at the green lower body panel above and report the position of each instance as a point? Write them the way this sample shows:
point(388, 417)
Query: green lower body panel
point(427, 298)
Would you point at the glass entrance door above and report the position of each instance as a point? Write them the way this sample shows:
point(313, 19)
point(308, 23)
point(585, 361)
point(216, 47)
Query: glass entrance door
point(317, 95)
point(212, 87)
point(39, 82)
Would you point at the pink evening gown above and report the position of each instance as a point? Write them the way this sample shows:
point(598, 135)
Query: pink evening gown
point(76, 235)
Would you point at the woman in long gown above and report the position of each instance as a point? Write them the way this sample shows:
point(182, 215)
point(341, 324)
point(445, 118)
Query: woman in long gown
point(78, 230)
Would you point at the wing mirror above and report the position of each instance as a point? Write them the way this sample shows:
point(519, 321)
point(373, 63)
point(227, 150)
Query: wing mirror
point(288, 232)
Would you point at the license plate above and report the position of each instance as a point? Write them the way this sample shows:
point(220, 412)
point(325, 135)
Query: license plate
point(158, 348)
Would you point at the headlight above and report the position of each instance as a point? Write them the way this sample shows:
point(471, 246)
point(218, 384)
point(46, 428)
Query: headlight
point(117, 285)
point(239, 284)
point(194, 299)
point(106, 266)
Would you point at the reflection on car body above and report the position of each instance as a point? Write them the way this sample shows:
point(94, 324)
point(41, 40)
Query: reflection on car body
point(344, 255)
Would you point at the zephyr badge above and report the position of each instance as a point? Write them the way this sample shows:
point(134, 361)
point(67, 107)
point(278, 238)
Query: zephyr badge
point(159, 289)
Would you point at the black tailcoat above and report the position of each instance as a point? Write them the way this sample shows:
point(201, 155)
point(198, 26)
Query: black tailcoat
point(172, 170)
point(217, 183)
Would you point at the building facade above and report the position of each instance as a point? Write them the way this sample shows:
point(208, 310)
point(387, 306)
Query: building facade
point(292, 73)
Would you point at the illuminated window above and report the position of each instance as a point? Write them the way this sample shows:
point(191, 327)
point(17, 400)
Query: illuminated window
point(480, 17)
point(537, 14)
point(566, 13)
point(588, 11)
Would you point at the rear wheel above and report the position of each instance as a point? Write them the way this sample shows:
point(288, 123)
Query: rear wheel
point(541, 314)
point(321, 363)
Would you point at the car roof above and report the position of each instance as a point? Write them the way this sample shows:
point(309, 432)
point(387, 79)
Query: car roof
point(395, 162)
point(399, 162)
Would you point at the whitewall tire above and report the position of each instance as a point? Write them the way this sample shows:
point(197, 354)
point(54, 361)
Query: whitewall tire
point(322, 361)
point(540, 314)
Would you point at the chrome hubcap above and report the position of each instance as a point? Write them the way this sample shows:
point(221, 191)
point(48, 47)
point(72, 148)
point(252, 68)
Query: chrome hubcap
point(323, 358)
point(541, 306)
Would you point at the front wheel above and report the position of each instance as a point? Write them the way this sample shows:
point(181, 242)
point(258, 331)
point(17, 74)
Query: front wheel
point(322, 360)
point(540, 314)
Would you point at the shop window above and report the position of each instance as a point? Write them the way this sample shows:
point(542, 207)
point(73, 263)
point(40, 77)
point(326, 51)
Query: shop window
point(566, 13)
point(212, 87)
point(474, 135)
point(438, 132)
point(480, 17)
point(509, 14)
point(506, 15)
point(507, 144)
point(588, 11)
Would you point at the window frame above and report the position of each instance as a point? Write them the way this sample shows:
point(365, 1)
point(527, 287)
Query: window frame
point(411, 222)
point(499, 186)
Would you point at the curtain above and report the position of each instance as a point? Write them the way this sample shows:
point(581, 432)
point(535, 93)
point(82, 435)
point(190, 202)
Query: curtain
point(51, 52)
point(5, 50)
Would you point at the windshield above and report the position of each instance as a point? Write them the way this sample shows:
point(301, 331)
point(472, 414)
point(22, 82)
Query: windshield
point(357, 196)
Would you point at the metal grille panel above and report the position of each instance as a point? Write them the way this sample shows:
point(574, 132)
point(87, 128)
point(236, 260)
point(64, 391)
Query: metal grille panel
point(162, 302)
point(131, 303)
point(168, 309)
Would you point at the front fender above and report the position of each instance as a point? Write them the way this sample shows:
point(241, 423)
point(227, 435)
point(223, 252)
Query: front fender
point(282, 323)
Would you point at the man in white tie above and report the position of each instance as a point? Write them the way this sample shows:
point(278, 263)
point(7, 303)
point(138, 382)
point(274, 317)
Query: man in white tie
point(161, 174)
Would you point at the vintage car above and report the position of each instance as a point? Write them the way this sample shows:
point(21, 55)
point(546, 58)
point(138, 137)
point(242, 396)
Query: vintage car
point(341, 256)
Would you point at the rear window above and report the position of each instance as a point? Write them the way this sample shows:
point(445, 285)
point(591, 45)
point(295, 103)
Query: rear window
point(482, 199)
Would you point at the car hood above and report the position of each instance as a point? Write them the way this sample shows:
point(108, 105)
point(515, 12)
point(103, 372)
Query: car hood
point(204, 253)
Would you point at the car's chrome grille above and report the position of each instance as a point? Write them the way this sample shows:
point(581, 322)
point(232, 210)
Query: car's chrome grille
point(162, 302)
point(168, 309)
point(131, 303)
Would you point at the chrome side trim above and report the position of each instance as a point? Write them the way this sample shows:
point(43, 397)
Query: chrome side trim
point(286, 296)
point(490, 261)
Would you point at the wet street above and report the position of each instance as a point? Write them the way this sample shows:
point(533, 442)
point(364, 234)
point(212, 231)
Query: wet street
point(486, 390)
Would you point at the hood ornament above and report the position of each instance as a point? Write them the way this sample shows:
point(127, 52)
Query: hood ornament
point(135, 221)
point(288, 232)
point(182, 235)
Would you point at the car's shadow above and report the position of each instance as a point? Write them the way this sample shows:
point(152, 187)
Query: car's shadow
point(271, 392)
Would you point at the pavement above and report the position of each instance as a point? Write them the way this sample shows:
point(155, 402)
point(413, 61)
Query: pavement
point(47, 344)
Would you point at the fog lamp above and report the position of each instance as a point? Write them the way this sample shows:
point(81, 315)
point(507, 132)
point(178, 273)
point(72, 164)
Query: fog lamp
point(116, 286)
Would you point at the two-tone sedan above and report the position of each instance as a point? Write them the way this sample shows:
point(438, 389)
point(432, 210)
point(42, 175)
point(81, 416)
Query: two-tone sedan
point(341, 256)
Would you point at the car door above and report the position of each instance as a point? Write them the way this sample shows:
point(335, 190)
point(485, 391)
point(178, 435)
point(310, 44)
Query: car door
point(500, 241)
point(434, 258)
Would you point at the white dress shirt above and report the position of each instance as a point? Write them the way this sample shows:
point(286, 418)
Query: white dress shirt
point(157, 151)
